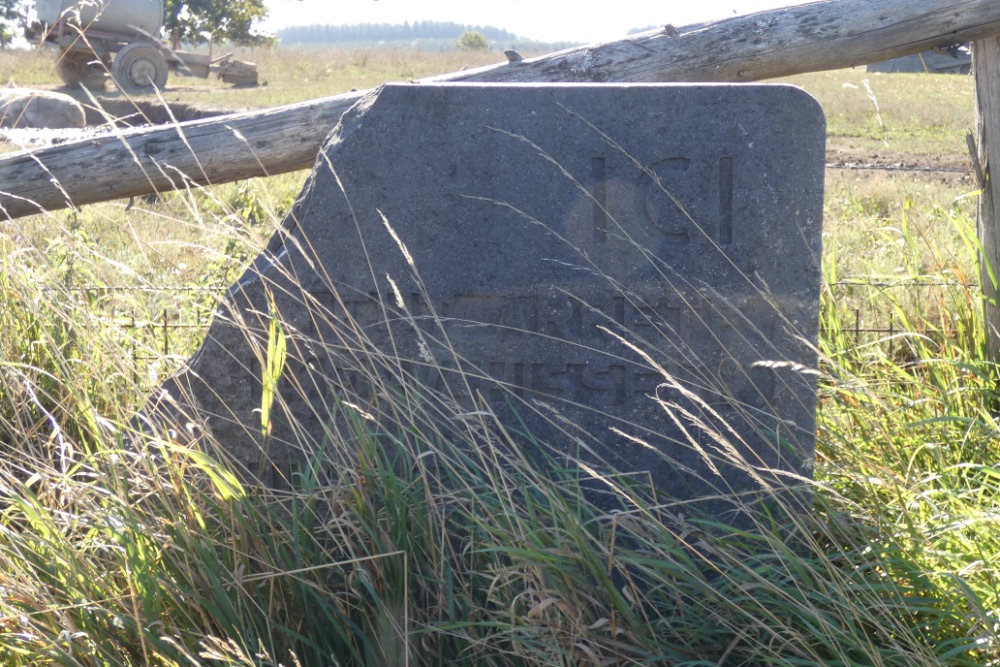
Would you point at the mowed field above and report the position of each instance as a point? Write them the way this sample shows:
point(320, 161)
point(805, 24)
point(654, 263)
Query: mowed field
point(113, 553)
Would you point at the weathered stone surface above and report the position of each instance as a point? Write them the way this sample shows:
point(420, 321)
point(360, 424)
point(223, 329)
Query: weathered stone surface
point(642, 261)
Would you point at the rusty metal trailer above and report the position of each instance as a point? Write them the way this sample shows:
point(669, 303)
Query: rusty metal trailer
point(117, 39)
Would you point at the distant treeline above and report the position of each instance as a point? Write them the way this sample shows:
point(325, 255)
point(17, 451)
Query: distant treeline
point(426, 33)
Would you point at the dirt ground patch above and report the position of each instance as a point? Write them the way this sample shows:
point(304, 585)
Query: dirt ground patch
point(848, 157)
point(950, 168)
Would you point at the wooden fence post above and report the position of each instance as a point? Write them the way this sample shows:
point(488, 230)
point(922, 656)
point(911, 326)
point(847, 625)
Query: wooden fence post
point(986, 59)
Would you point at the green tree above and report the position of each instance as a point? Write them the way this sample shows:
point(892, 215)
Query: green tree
point(473, 40)
point(13, 14)
point(228, 20)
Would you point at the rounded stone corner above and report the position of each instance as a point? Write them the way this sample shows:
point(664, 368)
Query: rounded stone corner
point(808, 103)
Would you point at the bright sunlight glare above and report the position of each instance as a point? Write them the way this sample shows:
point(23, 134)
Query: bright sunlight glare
point(547, 20)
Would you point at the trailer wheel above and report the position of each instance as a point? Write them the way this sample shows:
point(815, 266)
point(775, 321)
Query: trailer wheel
point(76, 68)
point(140, 68)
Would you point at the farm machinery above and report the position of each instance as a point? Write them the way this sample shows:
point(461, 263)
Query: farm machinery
point(118, 38)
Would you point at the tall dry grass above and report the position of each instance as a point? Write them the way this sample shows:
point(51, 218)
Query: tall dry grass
point(438, 549)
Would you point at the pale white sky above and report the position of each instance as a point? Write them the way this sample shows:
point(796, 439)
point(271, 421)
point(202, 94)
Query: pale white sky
point(549, 20)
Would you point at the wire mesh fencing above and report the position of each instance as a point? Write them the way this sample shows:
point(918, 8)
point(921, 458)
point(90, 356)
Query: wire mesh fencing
point(899, 315)
point(160, 327)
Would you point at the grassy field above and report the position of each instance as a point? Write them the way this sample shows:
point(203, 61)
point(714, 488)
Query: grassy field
point(117, 554)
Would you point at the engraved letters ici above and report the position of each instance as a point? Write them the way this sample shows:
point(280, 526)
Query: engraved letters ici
point(680, 198)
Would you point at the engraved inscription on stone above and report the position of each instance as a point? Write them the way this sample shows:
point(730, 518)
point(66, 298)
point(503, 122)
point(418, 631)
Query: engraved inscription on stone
point(625, 275)
point(676, 195)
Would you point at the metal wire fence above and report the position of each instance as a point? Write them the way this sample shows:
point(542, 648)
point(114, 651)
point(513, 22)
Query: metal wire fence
point(166, 334)
point(156, 325)
point(887, 313)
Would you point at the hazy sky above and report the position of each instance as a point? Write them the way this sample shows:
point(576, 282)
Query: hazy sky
point(553, 20)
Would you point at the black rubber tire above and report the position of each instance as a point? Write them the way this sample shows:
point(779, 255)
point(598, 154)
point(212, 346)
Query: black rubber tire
point(140, 68)
point(76, 68)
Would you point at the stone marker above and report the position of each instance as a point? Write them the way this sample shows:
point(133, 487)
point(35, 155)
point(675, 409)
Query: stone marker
point(628, 272)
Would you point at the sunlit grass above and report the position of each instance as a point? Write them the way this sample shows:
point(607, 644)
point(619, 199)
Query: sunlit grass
point(436, 550)
point(287, 75)
point(121, 555)
point(895, 115)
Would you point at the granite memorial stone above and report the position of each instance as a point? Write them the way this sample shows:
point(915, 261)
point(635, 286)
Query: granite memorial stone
point(626, 276)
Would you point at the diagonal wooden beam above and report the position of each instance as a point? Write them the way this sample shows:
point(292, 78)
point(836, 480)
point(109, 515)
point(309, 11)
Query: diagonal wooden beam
point(822, 35)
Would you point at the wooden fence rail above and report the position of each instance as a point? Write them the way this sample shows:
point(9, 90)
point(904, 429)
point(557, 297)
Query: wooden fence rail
point(828, 34)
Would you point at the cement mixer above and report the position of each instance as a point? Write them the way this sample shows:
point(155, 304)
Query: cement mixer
point(118, 38)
